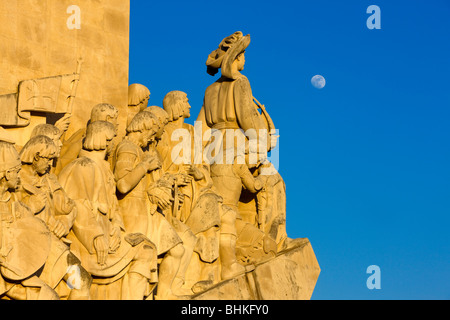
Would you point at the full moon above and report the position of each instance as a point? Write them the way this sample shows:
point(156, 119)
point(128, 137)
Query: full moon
point(318, 81)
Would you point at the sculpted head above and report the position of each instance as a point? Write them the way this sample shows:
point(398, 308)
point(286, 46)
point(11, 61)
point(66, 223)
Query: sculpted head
point(240, 61)
point(50, 131)
point(144, 126)
point(176, 104)
point(99, 136)
point(39, 152)
point(138, 96)
point(162, 116)
point(105, 112)
point(229, 56)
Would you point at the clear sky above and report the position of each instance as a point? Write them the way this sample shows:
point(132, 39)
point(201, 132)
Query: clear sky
point(366, 158)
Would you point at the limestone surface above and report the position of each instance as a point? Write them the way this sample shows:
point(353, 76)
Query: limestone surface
point(105, 197)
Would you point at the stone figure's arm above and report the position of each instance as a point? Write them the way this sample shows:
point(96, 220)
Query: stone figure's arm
point(247, 113)
point(248, 180)
point(116, 217)
point(65, 210)
point(36, 202)
point(86, 227)
point(83, 184)
point(202, 176)
point(128, 175)
point(160, 192)
point(117, 227)
point(65, 213)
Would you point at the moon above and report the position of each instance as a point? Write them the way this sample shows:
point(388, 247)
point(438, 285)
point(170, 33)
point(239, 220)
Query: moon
point(318, 81)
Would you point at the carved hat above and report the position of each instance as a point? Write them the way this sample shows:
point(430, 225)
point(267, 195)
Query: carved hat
point(223, 57)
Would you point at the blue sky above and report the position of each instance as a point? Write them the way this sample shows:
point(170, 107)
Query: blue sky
point(366, 158)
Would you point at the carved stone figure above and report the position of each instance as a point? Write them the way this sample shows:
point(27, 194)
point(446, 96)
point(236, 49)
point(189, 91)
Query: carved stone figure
point(202, 207)
point(41, 191)
point(24, 239)
point(174, 212)
point(54, 133)
point(131, 172)
point(177, 106)
point(98, 235)
point(229, 106)
point(229, 102)
point(72, 146)
point(51, 131)
point(138, 96)
point(267, 209)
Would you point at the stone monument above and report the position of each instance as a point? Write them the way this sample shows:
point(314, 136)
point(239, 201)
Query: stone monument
point(104, 197)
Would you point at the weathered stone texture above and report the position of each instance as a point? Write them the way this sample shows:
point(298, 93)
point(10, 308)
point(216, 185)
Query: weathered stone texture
point(292, 275)
point(35, 42)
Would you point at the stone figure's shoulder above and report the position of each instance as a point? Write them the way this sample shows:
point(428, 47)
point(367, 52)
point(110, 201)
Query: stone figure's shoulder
point(83, 162)
point(242, 82)
point(242, 79)
point(127, 146)
point(53, 182)
point(78, 165)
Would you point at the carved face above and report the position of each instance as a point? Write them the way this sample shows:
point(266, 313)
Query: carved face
point(241, 61)
point(161, 128)
point(147, 136)
point(12, 177)
point(187, 108)
point(114, 121)
point(42, 164)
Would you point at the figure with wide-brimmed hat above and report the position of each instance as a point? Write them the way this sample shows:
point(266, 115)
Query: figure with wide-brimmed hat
point(229, 102)
point(230, 107)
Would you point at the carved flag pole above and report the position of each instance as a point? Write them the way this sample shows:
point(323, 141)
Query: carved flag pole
point(75, 85)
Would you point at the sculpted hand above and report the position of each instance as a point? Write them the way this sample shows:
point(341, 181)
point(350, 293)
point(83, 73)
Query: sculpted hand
point(63, 123)
point(59, 229)
point(183, 179)
point(161, 194)
point(165, 202)
point(164, 198)
point(101, 247)
point(152, 163)
point(185, 168)
point(192, 171)
point(114, 239)
point(196, 173)
point(267, 169)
